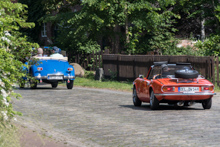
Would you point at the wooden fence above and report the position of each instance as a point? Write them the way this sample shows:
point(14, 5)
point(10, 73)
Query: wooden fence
point(128, 67)
point(125, 67)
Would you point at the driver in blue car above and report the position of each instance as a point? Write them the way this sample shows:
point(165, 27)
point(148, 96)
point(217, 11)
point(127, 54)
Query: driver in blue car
point(56, 53)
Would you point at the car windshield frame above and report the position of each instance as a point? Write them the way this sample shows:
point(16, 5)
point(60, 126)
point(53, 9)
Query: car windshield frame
point(166, 70)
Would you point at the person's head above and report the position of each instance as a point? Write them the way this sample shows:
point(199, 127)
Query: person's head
point(40, 51)
point(165, 68)
point(55, 49)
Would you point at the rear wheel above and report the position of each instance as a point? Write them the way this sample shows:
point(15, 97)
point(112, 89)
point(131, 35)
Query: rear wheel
point(154, 103)
point(207, 104)
point(69, 84)
point(32, 81)
point(54, 85)
point(136, 100)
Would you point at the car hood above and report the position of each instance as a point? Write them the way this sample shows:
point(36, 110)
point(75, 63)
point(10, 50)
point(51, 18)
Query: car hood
point(168, 81)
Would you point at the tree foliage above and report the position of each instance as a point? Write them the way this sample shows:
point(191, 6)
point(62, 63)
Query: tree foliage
point(135, 27)
point(192, 12)
point(211, 46)
point(35, 11)
point(105, 21)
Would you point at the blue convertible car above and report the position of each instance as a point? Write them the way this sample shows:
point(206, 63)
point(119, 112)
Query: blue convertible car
point(51, 70)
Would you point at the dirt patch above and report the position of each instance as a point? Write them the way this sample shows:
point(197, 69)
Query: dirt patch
point(31, 138)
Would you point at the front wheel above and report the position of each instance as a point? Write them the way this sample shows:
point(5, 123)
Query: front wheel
point(54, 85)
point(33, 84)
point(207, 104)
point(154, 103)
point(136, 100)
point(69, 84)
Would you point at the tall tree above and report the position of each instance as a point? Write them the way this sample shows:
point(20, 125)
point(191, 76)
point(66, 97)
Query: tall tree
point(35, 12)
point(121, 23)
point(197, 17)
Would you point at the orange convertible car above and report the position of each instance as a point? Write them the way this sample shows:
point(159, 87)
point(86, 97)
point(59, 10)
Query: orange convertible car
point(175, 84)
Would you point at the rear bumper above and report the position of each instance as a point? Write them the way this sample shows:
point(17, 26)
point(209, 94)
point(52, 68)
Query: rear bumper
point(46, 77)
point(184, 94)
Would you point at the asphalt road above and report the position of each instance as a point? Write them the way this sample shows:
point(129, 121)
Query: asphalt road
point(94, 117)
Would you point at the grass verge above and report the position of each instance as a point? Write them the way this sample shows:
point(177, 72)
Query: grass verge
point(9, 135)
point(113, 85)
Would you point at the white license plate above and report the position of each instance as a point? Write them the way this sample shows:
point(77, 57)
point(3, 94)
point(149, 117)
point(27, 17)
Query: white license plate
point(55, 77)
point(188, 89)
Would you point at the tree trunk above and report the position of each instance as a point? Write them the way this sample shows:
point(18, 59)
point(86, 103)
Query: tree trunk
point(126, 26)
point(202, 26)
point(116, 40)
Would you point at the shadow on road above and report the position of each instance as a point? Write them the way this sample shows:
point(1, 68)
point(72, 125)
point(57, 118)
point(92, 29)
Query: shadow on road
point(42, 88)
point(161, 107)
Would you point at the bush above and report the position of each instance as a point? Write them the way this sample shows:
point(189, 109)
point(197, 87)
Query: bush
point(211, 46)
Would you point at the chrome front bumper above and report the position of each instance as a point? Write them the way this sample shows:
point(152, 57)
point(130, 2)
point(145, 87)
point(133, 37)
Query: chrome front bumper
point(184, 94)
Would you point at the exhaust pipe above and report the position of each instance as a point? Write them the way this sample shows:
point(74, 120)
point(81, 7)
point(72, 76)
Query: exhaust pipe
point(190, 103)
point(180, 103)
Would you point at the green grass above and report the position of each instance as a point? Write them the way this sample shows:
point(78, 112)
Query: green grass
point(106, 84)
point(217, 88)
point(8, 135)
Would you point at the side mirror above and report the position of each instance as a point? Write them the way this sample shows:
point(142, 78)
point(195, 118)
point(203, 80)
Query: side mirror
point(141, 76)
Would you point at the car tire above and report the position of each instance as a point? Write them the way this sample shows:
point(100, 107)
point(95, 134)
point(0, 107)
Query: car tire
point(70, 84)
point(54, 85)
point(154, 103)
point(136, 100)
point(207, 104)
point(22, 84)
point(33, 85)
point(186, 74)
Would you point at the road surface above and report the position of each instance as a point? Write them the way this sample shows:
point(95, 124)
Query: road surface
point(106, 118)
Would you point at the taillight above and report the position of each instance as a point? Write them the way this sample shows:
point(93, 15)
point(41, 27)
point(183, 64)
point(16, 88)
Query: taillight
point(168, 89)
point(40, 68)
point(207, 88)
point(69, 69)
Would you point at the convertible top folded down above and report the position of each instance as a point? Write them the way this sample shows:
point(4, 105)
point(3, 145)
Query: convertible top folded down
point(48, 58)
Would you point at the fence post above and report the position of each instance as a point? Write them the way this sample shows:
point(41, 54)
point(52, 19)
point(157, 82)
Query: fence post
point(87, 60)
point(213, 69)
point(209, 68)
point(96, 64)
point(118, 66)
point(93, 68)
point(100, 59)
point(134, 67)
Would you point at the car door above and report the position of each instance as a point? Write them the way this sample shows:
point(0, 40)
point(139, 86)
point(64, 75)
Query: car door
point(144, 92)
point(149, 79)
point(144, 88)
